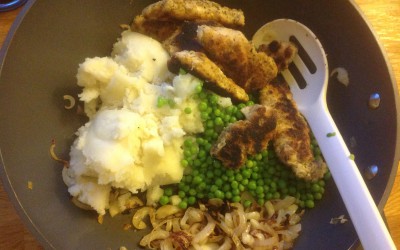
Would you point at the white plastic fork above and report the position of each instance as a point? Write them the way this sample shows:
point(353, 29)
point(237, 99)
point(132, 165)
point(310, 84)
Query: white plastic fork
point(311, 101)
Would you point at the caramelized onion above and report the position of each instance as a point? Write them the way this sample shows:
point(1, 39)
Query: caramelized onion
point(71, 101)
point(240, 219)
point(167, 210)
point(273, 226)
point(227, 245)
point(153, 236)
point(138, 217)
point(166, 244)
point(181, 240)
point(192, 215)
point(207, 230)
point(175, 225)
point(284, 203)
point(54, 155)
point(269, 243)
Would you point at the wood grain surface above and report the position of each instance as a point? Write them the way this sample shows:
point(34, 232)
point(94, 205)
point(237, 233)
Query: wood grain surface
point(383, 15)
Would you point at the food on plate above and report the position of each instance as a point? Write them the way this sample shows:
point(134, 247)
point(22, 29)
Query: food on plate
point(203, 28)
point(216, 225)
point(200, 65)
point(190, 10)
point(71, 101)
point(187, 112)
point(245, 137)
point(292, 135)
point(341, 75)
point(168, 15)
point(132, 141)
point(236, 56)
point(282, 52)
point(163, 20)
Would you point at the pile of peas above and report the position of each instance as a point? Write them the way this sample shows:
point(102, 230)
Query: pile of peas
point(263, 176)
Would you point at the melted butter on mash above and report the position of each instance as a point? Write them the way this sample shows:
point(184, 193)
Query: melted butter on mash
point(130, 142)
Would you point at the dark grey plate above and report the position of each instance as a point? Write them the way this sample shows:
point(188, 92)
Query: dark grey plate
point(38, 65)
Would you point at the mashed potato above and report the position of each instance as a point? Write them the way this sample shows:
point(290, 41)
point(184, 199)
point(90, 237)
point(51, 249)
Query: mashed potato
point(130, 141)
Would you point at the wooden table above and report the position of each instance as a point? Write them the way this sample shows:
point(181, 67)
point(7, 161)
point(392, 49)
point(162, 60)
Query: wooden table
point(384, 15)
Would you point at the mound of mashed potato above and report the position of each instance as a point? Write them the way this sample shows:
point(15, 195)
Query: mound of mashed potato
point(131, 141)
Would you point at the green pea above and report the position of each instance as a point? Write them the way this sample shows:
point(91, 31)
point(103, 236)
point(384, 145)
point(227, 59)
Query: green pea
point(236, 191)
point(183, 205)
point(317, 196)
point(259, 189)
point(236, 198)
point(255, 176)
point(247, 203)
point(315, 188)
point(168, 191)
point(185, 188)
point(164, 200)
point(184, 163)
point(198, 88)
point(246, 173)
point(250, 163)
point(197, 179)
point(309, 203)
point(217, 112)
point(187, 110)
point(191, 200)
point(234, 184)
point(202, 186)
point(218, 121)
point(259, 157)
point(238, 177)
point(181, 194)
point(192, 192)
point(252, 185)
point(203, 106)
point(219, 182)
point(219, 194)
point(213, 188)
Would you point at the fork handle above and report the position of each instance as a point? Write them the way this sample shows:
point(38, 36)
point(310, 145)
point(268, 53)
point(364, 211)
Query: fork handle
point(360, 205)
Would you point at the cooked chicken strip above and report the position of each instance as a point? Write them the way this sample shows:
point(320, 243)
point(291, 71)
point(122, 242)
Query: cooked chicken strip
point(159, 30)
point(282, 52)
point(199, 65)
point(292, 141)
point(172, 44)
point(183, 39)
point(193, 10)
point(229, 48)
point(245, 137)
point(263, 70)
point(237, 58)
